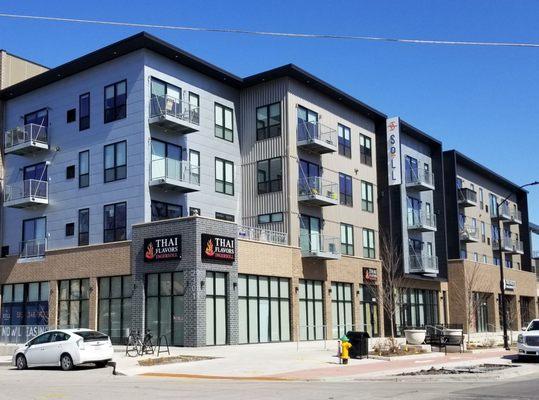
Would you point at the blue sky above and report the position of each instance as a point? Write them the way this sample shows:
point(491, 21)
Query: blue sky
point(482, 101)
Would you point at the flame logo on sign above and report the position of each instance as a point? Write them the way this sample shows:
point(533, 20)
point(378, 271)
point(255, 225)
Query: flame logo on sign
point(209, 249)
point(149, 252)
point(392, 125)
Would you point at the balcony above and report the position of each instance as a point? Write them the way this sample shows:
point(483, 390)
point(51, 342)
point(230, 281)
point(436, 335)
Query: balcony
point(504, 214)
point(419, 180)
point(517, 247)
point(316, 137)
point(316, 191)
point(175, 175)
point(423, 264)
point(174, 115)
point(28, 193)
point(27, 139)
point(469, 234)
point(506, 245)
point(317, 246)
point(516, 217)
point(421, 221)
point(467, 197)
point(262, 235)
point(33, 248)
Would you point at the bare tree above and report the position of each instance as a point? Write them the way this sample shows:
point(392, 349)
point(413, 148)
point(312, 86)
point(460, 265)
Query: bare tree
point(392, 280)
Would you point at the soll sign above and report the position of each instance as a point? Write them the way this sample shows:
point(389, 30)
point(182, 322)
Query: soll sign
point(218, 248)
point(163, 248)
point(393, 151)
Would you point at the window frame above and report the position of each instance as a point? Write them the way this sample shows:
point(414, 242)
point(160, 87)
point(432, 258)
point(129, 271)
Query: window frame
point(347, 246)
point(224, 109)
point(268, 128)
point(366, 203)
point(116, 167)
point(269, 185)
point(224, 181)
point(369, 248)
point(82, 242)
point(166, 204)
point(115, 107)
point(346, 199)
point(344, 144)
point(271, 217)
point(116, 228)
point(83, 125)
point(87, 174)
point(364, 150)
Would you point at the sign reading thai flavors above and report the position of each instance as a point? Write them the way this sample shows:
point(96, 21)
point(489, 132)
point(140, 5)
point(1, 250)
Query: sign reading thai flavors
point(163, 248)
point(218, 248)
point(393, 151)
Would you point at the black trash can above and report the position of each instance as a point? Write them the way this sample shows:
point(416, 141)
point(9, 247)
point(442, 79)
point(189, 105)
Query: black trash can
point(360, 344)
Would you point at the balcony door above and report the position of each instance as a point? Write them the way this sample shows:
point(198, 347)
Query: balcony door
point(309, 233)
point(40, 117)
point(33, 237)
point(307, 121)
point(166, 98)
point(31, 173)
point(308, 172)
point(411, 168)
point(166, 160)
point(414, 210)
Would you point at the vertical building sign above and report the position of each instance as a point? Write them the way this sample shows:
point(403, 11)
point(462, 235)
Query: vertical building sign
point(393, 151)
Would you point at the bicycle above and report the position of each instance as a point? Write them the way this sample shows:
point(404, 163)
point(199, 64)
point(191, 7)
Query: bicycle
point(136, 346)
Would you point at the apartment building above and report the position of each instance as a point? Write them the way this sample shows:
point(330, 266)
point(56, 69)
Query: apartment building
point(411, 193)
point(479, 236)
point(146, 188)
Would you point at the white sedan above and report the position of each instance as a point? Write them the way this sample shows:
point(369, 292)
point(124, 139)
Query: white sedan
point(528, 341)
point(65, 348)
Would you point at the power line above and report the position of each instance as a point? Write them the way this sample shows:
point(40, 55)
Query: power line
point(276, 34)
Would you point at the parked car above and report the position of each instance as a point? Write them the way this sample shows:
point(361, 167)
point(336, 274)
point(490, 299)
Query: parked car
point(65, 348)
point(528, 341)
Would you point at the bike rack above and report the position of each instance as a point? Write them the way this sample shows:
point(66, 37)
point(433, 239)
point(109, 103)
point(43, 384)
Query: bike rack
point(159, 345)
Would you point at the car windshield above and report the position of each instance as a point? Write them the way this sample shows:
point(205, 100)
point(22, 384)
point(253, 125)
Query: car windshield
point(534, 326)
point(91, 336)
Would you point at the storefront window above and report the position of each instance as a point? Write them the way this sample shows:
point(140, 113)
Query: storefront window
point(165, 306)
point(369, 310)
point(341, 308)
point(25, 304)
point(481, 312)
point(215, 308)
point(115, 307)
point(73, 304)
point(525, 310)
point(418, 308)
point(311, 310)
point(264, 309)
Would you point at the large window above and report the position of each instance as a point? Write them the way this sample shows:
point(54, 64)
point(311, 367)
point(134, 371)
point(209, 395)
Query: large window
point(369, 247)
point(369, 309)
point(367, 198)
point(115, 101)
point(270, 218)
point(84, 111)
point(115, 161)
point(341, 308)
point(224, 176)
point(115, 222)
point(345, 146)
point(345, 189)
point(418, 308)
point(347, 239)
point(268, 121)
point(73, 304)
point(165, 306)
point(162, 211)
point(365, 148)
point(216, 308)
point(25, 304)
point(84, 169)
point(264, 309)
point(224, 125)
point(311, 310)
point(84, 227)
point(114, 317)
point(481, 311)
point(34, 233)
point(270, 175)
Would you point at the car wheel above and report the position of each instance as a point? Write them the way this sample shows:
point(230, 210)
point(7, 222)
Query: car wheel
point(66, 362)
point(21, 362)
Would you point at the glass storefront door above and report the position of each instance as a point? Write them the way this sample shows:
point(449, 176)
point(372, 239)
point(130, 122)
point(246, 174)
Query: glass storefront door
point(216, 308)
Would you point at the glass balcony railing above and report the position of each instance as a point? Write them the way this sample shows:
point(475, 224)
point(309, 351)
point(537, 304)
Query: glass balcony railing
point(423, 264)
point(505, 244)
point(33, 248)
point(175, 174)
point(317, 191)
point(421, 220)
point(26, 139)
point(174, 114)
point(26, 193)
point(469, 233)
point(503, 214)
point(315, 245)
point(516, 216)
point(467, 197)
point(316, 137)
point(420, 180)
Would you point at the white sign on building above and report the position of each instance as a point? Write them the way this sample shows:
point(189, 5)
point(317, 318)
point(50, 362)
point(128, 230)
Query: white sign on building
point(393, 151)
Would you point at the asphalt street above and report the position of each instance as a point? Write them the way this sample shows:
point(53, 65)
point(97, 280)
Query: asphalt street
point(90, 383)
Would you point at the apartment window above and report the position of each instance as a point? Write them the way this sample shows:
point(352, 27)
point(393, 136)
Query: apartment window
point(341, 308)
point(365, 148)
point(115, 222)
point(367, 202)
point(194, 211)
point(216, 308)
point(347, 239)
point(161, 211)
point(114, 307)
point(270, 175)
point(39, 117)
point(481, 198)
point(508, 261)
point(224, 176)
point(73, 303)
point(84, 227)
point(115, 161)
point(115, 101)
point(70, 229)
point(369, 250)
point(84, 169)
point(71, 115)
point(485, 260)
point(33, 237)
point(483, 232)
point(476, 257)
point(84, 111)
point(345, 188)
point(311, 310)
point(224, 217)
point(70, 172)
point(493, 204)
point(264, 309)
point(194, 107)
point(268, 121)
point(194, 166)
point(224, 125)
point(270, 218)
point(345, 146)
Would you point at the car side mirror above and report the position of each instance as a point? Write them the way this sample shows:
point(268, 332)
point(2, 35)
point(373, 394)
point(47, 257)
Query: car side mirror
point(523, 328)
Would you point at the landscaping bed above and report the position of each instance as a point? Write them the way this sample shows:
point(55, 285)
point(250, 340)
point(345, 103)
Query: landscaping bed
point(148, 362)
point(475, 369)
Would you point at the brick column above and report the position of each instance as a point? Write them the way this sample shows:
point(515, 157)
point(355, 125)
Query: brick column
point(294, 308)
point(328, 314)
point(381, 314)
point(92, 304)
point(493, 315)
point(53, 304)
point(356, 307)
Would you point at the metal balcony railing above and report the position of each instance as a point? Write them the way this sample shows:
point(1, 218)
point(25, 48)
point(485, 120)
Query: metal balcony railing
point(319, 246)
point(506, 244)
point(33, 248)
point(419, 178)
point(516, 216)
point(30, 189)
point(517, 246)
point(262, 235)
point(314, 186)
point(469, 233)
point(419, 219)
point(467, 196)
point(167, 105)
point(308, 131)
point(169, 169)
point(30, 134)
point(423, 264)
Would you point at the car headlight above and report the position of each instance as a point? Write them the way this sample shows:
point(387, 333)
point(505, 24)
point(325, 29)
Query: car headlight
point(520, 338)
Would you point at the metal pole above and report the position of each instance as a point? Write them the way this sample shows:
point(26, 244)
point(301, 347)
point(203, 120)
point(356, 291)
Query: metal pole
point(502, 279)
